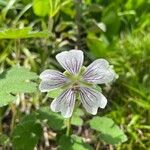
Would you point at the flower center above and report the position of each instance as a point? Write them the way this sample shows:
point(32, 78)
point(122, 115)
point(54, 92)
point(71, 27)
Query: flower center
point(75, 87)
point(76, 79)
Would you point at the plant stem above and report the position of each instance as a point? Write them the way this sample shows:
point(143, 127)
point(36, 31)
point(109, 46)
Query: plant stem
point(17, 50)
point(98, 145)
point(68, 127)
point(14, 109)
point(50, 24)
point(14, 112)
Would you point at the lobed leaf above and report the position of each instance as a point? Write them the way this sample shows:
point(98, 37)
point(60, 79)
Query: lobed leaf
point(54, 120)
point(27, 133)
point(14, 81)
point(109, 131)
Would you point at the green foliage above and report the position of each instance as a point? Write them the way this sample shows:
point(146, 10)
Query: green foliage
point(6, 98)
point(26, 134)
point(16, 80)
point(55, 93)
point(41, 7)
point(73, 143)
point(76, 118)
point(97, 46)
point(144, 104)
point(54, 120)
point(111, 20)
point(29, 130)
point(27, 32)
point(77, 121)
point(109, 131)
point(48, 7)
point(4, 139)
point(115, 30)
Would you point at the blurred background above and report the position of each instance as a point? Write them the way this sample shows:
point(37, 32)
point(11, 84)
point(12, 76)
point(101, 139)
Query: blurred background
point(33, 32)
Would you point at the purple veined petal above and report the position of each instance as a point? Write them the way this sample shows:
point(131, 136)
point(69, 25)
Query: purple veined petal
point(50, 74)
point(51, 79)
point(92, 99)
point(99, 72)
point(71, 60)
point(64, 103)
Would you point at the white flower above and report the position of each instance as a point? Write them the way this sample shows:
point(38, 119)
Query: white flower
point(77, 80)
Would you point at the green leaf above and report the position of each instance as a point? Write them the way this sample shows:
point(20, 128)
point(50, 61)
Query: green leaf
point(97, 87)
point(111, 20)
point(96, 8)
point(41, 7)
point(27, 133)
point(109, 131)
point(97, 46)
point(14, 81)
point(54, 120)
point(73, 143)
point(48, 7)
point(64, 25)
point(27, 32)
point(94, 26)
point(4, 139)
point(142, 103)
point(78, 112)
point(77, 121)
point(79, 144)
point(76, 118)
point(55, 93)
point(6, 98)
point(9, 5)
point(64, 142)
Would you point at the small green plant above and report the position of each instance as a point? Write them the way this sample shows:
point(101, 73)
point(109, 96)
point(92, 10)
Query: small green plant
point(46, 106)
point(14, 81)
point(76, 83)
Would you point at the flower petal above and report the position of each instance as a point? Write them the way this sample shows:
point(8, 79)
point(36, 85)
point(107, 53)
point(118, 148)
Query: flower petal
point(51, 79)
point(71, 60)
point(99, 72)
point(64, 103)
point(92, 99)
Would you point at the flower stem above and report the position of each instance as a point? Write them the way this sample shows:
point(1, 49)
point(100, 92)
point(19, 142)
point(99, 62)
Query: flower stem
point(68, 127)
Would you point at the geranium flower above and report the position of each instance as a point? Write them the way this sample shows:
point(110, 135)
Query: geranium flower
point(77, 82)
